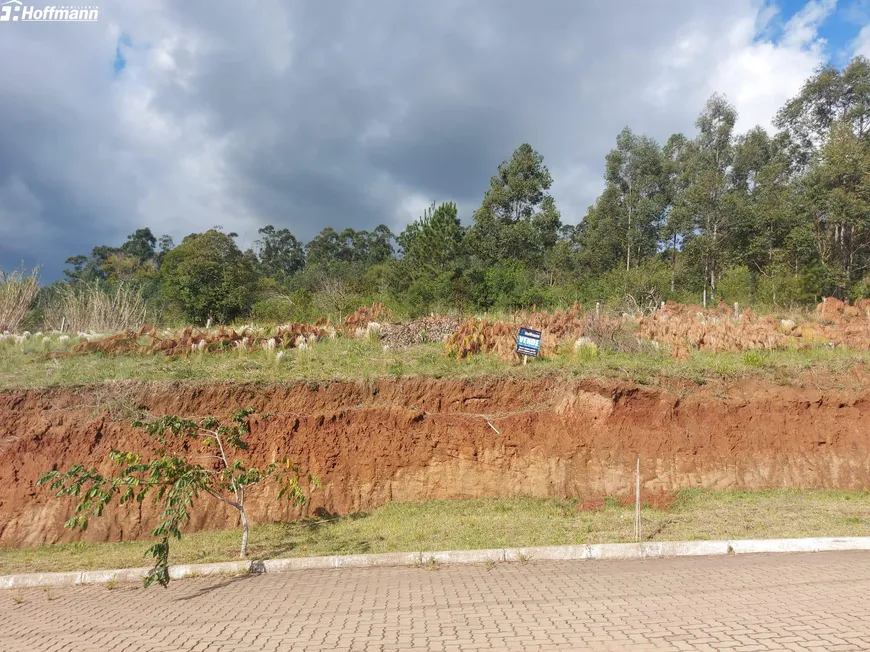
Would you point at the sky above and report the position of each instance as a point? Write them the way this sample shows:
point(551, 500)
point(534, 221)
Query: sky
point(181, 116)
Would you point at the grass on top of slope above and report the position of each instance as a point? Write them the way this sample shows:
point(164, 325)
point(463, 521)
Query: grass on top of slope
point(351, 359)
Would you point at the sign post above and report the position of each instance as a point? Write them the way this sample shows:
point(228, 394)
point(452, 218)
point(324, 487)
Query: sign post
point(528, 343)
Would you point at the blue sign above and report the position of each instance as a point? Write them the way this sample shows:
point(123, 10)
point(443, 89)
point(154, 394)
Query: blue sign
point(529, 342)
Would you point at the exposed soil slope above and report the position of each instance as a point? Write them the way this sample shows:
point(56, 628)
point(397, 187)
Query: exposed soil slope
point(419, 438)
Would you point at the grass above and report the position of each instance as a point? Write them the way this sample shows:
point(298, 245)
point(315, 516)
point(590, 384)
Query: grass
point(348, 359)
point(489, 523)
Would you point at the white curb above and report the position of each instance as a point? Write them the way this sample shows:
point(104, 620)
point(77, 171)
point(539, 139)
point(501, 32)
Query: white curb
point(800, 545)
point(648, 550)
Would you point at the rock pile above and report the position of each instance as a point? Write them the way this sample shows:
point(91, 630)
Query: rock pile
point(419, 331)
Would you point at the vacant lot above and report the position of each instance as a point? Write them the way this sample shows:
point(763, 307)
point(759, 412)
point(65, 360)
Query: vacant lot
point(708, 400)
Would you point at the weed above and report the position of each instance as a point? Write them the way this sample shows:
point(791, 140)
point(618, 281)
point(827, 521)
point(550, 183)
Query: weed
point(754, 359)
point(48, 594)
point(112, 584)
point(429, 563)
point(18, 598)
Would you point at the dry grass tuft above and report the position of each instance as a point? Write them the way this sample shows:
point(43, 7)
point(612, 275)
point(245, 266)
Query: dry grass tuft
point(90, 307)
point(17, 292)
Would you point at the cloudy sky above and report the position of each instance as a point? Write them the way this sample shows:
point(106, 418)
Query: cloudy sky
point(304, 114)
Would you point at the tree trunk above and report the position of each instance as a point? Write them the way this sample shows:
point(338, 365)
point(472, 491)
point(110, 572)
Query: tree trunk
point(244, 551)
point(628, 233)
point(713, 263)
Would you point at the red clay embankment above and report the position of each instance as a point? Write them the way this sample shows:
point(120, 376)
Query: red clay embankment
point(422, 438)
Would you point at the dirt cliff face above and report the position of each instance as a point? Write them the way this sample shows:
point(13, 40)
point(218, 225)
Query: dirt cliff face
point(418, 438)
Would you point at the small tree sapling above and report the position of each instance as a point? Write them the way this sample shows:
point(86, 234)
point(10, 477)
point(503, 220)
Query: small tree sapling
point(192, 458)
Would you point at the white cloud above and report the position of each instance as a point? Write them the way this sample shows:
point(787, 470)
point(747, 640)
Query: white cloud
point(862, 42)
point(759, 77)
point(741, 60)
point(410, 208)
point(803, 28)
point(576, 187)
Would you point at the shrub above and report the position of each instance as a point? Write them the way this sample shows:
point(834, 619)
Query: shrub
point(208, 277)
point(508, 286)
point(736, 284)
point(335, 298)
point(585, 349)
point(274, 310)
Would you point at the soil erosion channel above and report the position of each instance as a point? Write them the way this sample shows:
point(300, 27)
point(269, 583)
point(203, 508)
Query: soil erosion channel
point(422, 438)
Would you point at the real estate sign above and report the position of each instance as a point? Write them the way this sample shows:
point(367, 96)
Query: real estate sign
point(529, 342)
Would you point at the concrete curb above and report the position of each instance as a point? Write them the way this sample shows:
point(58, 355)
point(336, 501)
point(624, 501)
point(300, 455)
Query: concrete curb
point(612, 551)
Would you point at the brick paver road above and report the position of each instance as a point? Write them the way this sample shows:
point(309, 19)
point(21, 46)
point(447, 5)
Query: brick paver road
point(778, 602)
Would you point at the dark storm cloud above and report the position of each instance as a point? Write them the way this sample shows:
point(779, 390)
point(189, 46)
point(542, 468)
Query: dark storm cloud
point(313, 114)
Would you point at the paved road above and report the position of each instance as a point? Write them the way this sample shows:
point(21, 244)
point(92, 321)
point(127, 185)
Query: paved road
point(778, 602)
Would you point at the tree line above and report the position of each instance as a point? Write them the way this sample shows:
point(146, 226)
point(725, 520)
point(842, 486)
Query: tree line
point(774, 219)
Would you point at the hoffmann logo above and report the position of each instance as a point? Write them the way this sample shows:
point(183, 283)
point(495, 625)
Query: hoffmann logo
point(16, 10)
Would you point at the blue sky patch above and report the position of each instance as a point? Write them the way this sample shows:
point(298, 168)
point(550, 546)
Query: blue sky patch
point(120, 61)
point(839, 29)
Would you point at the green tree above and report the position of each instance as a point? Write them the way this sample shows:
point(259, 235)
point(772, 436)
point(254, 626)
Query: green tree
point(140, 244)
point(90, 268)
point(677, 224)
point(636, 170)
point(191, 459)
point(836, 192)
point(509, 285)
point(622, 228)
point(762, 215)
point(830, 96)
point(208, 277)
point(561, 263)
point(702, 203)
point(78, 264)
point(518, 218)
point(372, 247)
point(281, 254)
point(124, 268)
point(329, 247)
point(139, 247)
point(432, 259)
point(434, 240)
point(601, 242)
